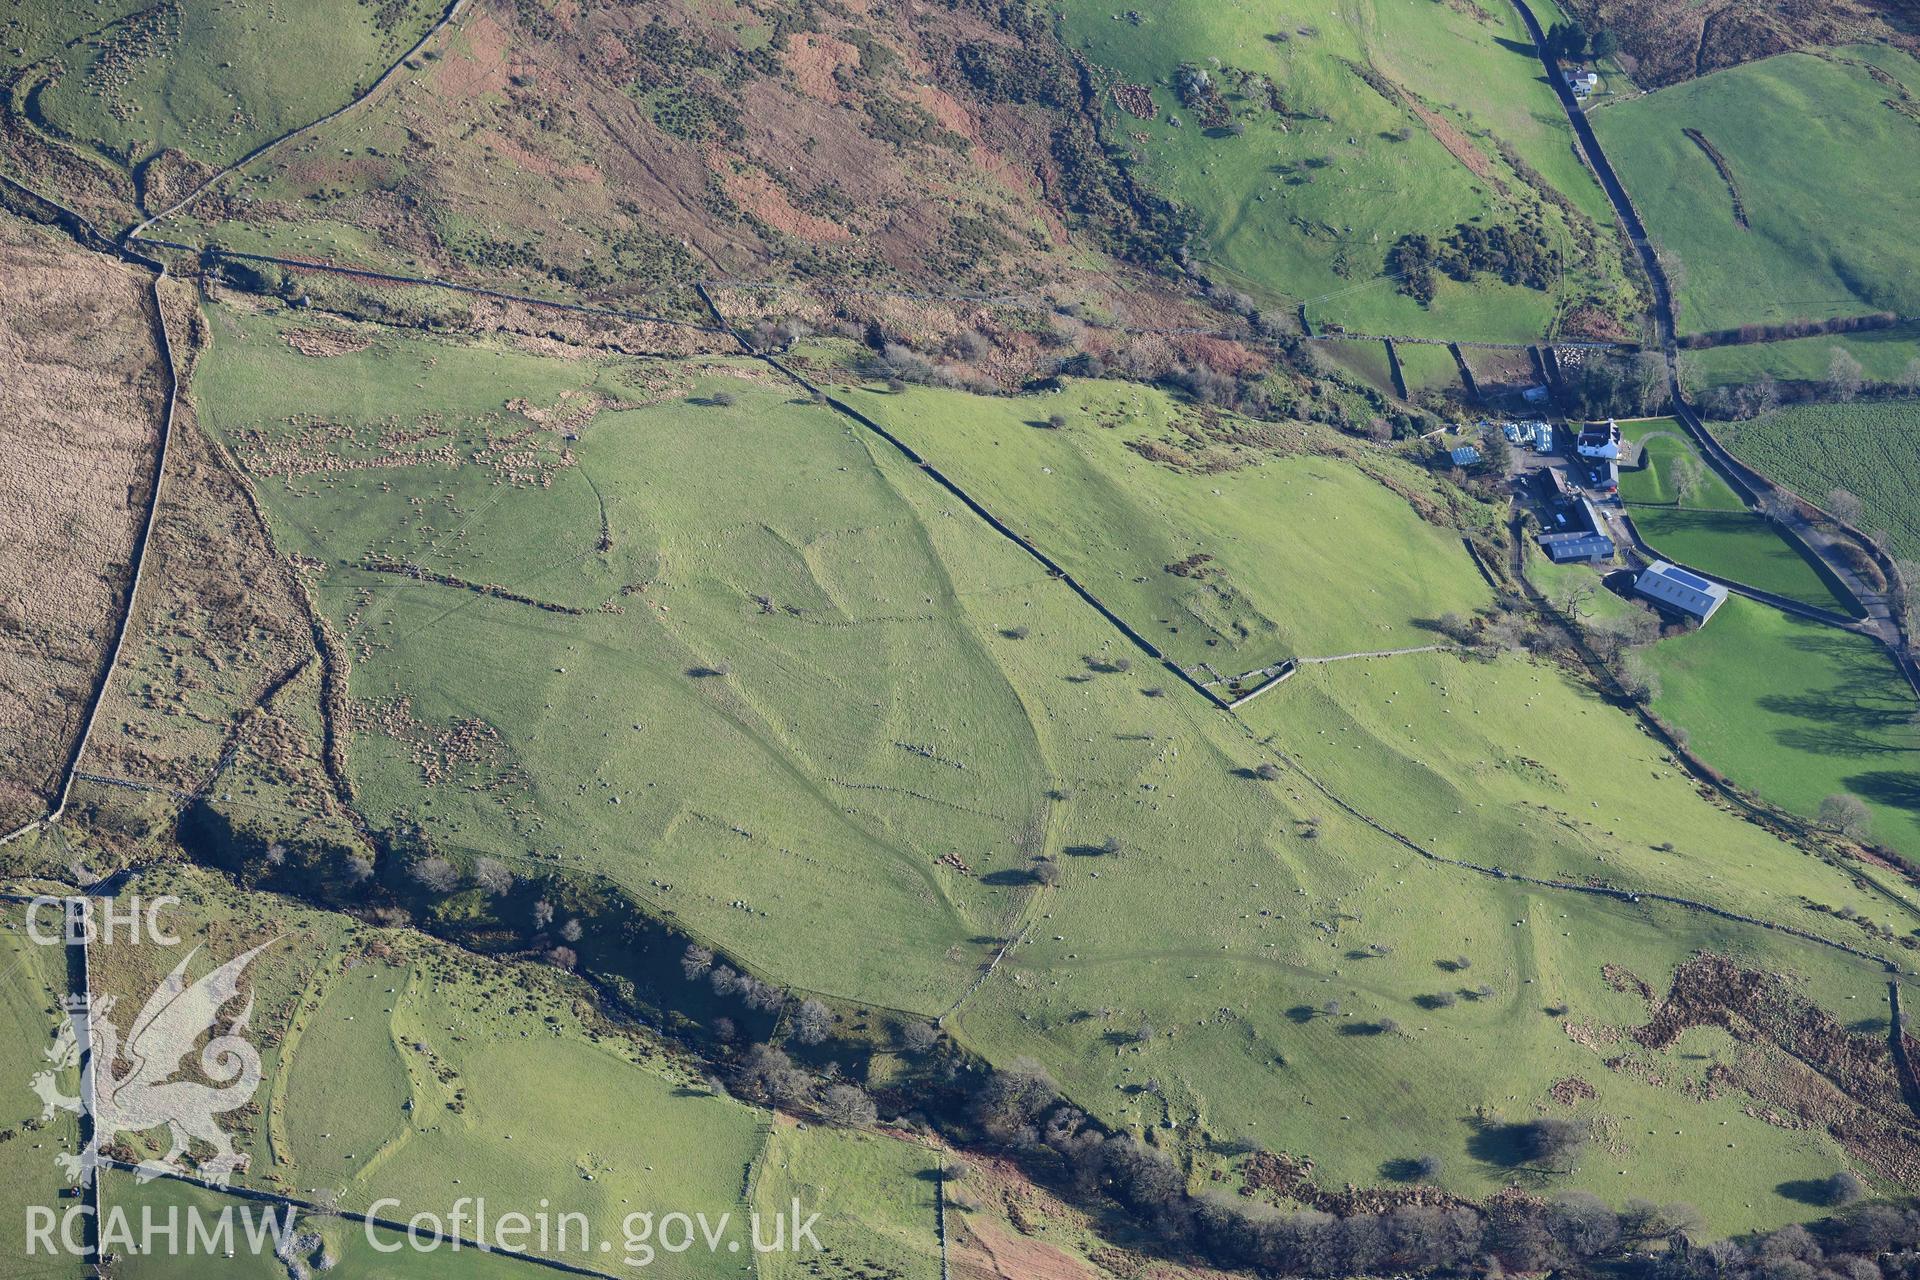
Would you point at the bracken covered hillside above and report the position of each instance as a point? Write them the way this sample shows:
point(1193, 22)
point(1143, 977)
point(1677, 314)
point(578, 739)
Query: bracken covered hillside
point(620, 151)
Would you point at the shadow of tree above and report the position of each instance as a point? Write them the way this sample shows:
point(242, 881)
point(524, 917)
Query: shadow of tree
point(1805, 1190)
point(1404, 1169)
point(1501, 1144)
point(1894, 788)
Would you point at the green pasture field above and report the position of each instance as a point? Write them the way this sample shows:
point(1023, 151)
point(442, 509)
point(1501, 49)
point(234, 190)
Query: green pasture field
point(1556, 581)
point(1871, 449)
point(1425, 365)
point(1168, 844)
point(1491, 762)
point(216, 80)
point(1813, 247)
point(40, 30)
point(1306, 202)
point(749, 803)
point(1715, 530)
point(1884, 356)
point(859, 788)
point(530, 1111)
point(34, 983)
point(354, 1251)
point(1495, 370)
point(1215, 935)
point(396, 1067)
point(276, 784)
point(1663, 441)
point(314, 238)
point(1242, 1049)
point(1286, 534)
point(1365, 360)
point(874, 1193)
point(1229, 965)
point(1795, 711)
point(214, 924)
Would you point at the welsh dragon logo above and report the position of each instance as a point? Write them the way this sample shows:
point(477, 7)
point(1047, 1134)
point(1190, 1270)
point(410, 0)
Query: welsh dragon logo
point(133, 1086)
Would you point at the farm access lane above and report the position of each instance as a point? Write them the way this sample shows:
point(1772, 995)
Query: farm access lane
point(1751, 484)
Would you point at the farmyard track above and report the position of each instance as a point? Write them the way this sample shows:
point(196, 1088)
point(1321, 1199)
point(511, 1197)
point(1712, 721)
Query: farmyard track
point(1749, 483)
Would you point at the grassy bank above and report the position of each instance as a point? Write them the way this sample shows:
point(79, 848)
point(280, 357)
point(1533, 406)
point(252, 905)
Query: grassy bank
point(1712, 529)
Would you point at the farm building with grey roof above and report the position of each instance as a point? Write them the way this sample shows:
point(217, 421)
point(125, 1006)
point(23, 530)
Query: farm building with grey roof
point(1680, 590)
point(1563, 548)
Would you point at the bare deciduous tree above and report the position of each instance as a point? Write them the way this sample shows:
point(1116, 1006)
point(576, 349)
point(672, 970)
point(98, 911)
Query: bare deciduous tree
point(695, 961)
point(1639, 679)
point(811, 1022)
point(1909, 380)
point(1844, 374)
point(1847, 814)
point(1551, 1141)
point(1651, 373)
point(847, 1106)
point(1686, 475)
point(1013, 1096)
point(768, 1074)
point(1574, 594)
point(763, 996)
point(492, 875)
point(1844, 1187)
point(436, 874)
